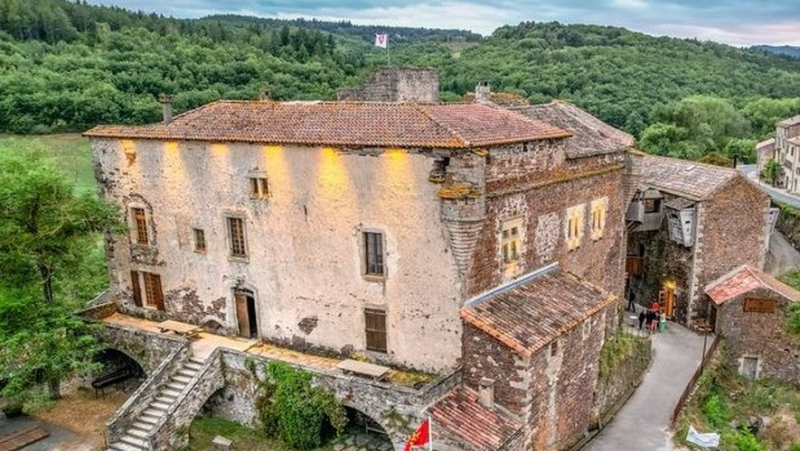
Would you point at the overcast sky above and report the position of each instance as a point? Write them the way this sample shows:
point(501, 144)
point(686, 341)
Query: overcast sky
point(737, 22)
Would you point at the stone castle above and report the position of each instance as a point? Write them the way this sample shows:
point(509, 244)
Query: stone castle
point(486, 246)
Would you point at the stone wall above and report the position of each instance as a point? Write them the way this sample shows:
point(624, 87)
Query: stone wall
point(148, 349)
point(541, 198)
point(396, 84)
point(760, 335)
point(396, 408)
point(562, 387)
point(734, 232)
point(615, 387)
point(320, 203)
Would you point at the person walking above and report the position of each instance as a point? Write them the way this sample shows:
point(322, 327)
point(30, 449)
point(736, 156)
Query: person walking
point(655, 307)
point(653, 321)
point(631, 303)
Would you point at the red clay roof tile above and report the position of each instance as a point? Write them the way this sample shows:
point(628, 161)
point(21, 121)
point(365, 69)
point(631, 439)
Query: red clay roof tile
point(743, 280)
point(478, 426)
point(357, 124)
point(526, 317)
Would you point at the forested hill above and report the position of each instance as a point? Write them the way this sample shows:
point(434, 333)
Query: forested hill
point(68, 66)
point(787, 50)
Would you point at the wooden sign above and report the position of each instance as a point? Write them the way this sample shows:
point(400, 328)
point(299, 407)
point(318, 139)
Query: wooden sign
point(754, 305)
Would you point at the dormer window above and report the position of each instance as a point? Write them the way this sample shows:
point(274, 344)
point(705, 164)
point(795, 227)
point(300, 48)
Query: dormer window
point(652, 205)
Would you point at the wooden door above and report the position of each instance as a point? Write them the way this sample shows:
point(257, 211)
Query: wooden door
point(242, 315)
point(666, 298)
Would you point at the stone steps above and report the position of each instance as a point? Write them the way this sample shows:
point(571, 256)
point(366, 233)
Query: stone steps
point(136, 437)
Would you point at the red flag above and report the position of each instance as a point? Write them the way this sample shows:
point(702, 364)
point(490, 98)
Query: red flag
point(420, 437)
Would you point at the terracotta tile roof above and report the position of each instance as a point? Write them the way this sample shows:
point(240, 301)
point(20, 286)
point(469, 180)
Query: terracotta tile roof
point(356, 124)
point(795, 140)
point(534, 310)
point(795, 120)
point(766, 144)
point(590, 135)
point(745, 279)
point(696, 181)
point(464, 416)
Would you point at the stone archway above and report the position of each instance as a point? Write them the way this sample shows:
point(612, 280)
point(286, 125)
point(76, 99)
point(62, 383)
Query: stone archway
point(364, 432)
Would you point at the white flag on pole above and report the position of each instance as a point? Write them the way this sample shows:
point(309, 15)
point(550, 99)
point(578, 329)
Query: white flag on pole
point(382, 41)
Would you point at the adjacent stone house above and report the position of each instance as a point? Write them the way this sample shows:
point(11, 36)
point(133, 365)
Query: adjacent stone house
point(749, 309)
point(785, 149)
point(689, 223)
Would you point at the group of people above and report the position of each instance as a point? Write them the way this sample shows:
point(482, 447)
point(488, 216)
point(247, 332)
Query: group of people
point(652, 317)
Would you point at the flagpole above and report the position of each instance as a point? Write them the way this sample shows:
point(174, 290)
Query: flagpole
point(430, 433)
point(388, 55)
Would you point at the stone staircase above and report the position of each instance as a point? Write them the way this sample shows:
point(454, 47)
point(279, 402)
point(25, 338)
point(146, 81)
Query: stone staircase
point(136, 437)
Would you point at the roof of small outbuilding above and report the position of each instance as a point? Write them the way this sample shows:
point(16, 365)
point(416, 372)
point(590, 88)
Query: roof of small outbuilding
point(590, 135)
point(356, 124)
point(690, 179)
point(461, 413)
point(744, 279)
point(766, 144)
point(527, 314)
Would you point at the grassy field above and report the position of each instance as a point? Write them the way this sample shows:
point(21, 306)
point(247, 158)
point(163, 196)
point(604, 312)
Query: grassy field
point(70, 150)
point(204, 429)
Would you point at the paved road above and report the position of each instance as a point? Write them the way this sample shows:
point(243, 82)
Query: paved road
point(782, 256)
point(781, 196)
point(641, 425)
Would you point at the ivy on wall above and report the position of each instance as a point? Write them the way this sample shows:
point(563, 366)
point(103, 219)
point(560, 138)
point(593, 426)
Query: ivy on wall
point(292, 409)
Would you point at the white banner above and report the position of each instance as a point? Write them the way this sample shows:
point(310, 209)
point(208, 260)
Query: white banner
point(382, 41)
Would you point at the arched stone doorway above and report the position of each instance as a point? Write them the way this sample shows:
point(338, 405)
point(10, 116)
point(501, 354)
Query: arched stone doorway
point(364, 433)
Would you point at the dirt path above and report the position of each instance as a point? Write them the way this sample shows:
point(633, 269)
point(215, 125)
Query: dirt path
point(85, 415)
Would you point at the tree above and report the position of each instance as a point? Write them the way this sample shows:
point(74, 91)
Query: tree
point(771, 172)
point(45, 230)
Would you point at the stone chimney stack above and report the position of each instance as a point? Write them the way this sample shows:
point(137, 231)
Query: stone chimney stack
point(483, 92)
point(486, 392)
point(166, 108)
point(263, 95)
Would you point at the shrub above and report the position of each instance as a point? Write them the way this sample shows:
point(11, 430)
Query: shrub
point(292, 409)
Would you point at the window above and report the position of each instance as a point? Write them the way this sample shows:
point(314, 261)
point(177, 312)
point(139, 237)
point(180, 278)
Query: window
point(153, 294)
point(236, 237)
point(510, 242)
point(199, 240)
point(373, 254)
point(140, 225)
point(574, 223)
point(259, 187)
point(599, 207)
point(586, 328)
point(375, 325)
point(554, 348)
point(652, 205)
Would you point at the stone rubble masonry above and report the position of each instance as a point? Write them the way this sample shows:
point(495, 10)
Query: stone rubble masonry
point(396, 84)
point(731, 229)
point(614, 389)
point(554, 396)
point(760, 335)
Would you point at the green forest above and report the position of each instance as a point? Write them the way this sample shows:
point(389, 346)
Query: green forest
point(67, 66)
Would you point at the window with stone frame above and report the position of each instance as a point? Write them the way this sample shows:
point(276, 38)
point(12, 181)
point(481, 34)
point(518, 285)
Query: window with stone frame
point(375, 329)
point(511, 242)
point(574, 223)
point(236, 237)
point(554, 348)
point(139, 225)
point(259, 187)
point(199, 240)
point(373, 254)
point(599, 208)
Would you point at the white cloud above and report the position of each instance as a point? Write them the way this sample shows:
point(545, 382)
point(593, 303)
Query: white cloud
point(630, 4)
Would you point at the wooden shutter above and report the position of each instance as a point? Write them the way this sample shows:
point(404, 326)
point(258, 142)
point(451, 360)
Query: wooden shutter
point(137, 292)
point(158, 293)
point(375, 322)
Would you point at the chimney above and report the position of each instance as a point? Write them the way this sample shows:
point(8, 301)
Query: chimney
point(486, 392)
point(263, 95)
point(483, 91)
point(166, 108)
